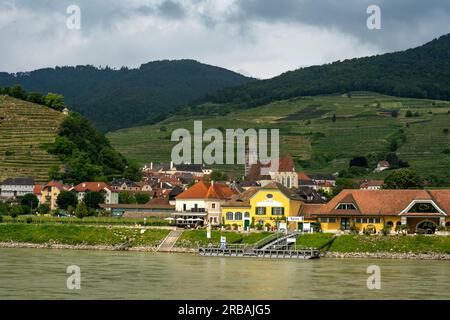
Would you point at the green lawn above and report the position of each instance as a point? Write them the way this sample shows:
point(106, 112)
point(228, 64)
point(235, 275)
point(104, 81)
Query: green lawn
point(76, 235)
point(86, 220)
point(195, 238)
point(394, 244)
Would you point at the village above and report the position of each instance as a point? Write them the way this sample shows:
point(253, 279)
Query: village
point(185, 196)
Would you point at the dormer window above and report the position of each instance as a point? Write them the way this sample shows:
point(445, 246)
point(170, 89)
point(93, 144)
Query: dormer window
point(346, 206)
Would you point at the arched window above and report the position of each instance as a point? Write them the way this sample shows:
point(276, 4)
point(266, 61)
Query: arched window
point(390, 224)
point(229, 215)
point(288, 182)
point(447, 224)
point(247, 215)
point(238, 216)
point(282, 180)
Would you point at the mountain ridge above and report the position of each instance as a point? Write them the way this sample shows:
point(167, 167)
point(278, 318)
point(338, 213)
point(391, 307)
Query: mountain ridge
point(118, 98)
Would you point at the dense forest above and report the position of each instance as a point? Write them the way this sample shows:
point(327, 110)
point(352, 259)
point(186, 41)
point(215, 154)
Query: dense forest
point(85, 152)
point(422, 72)
point(114, 99)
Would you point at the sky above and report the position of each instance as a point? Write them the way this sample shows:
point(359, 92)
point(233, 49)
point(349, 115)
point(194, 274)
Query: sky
point(258, 38)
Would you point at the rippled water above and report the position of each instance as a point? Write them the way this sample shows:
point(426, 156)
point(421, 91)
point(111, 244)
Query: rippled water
point(41, 274)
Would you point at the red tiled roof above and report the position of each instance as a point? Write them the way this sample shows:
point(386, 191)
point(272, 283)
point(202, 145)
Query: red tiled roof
point(207, 190)
point(378, 202)
point(91, 186)
point(302, 176)
point(38, 189)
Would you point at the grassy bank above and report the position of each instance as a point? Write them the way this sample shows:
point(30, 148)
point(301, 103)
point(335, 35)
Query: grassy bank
point(86, 220)
point(394, 244)
point(195, 238)
point(79, 235)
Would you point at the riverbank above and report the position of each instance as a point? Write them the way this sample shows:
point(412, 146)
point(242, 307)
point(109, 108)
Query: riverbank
point(117, 238)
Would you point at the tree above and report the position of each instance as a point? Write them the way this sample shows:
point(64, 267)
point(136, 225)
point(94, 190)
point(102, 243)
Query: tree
point(81, 210)
point(218, 176)
point(334, 117)
point(30, 200)
point(126, 198)
point(66, 199)
point(359, 162)
point(394, 113)
point(403, 179)
point(142, 198)
point(341, 184)
point(16, 210)
point(133, 172)
point(54, 101)
point(92, 199)
point(43, 209)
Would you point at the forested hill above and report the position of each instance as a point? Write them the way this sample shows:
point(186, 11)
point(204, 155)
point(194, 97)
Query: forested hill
point(114, 99)
point(422, 72)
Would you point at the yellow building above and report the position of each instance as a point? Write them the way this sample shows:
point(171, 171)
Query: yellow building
point(50, 193)
point(268, 205)
point(373, 209)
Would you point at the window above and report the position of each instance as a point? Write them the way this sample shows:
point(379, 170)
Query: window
point(368, 220)
point(229, 215)
point(288, 182)
point(423, 208)
point(327, 220)
point(346, 206)
point(260, 211)
point(277, 211)
point(247, 215)
point(269, 195)
point(213, 205)
point(184, 206)
point(238, 216)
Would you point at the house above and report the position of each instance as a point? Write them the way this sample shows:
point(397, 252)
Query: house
point(382, 165)
point(364, 209)
point(323, 179)
point(284, 174)
point(81, 189)
point(16, 187)
point(155, 208)
point(310, 195)
point(371, 184)
point(203, 200)
point(118, 185)
point(171, 168)
point(267, 205)
point(50, 192)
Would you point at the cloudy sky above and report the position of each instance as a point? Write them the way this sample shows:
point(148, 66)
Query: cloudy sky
point(261, 38)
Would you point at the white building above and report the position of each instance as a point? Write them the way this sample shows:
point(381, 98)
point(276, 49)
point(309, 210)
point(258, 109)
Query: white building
point(16, 187)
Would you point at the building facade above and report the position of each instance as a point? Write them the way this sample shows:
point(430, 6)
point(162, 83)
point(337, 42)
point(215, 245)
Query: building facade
point(16, 187)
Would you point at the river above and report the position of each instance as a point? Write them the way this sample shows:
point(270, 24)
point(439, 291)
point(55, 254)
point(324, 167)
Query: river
point(41, 274)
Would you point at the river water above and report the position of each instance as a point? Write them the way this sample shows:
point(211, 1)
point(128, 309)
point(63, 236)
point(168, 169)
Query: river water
point(41, 274)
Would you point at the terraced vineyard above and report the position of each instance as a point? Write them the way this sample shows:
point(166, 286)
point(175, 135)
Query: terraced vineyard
point(364, 125)
point(24, 127)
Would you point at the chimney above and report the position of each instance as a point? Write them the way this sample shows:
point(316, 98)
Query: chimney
point(84, 185)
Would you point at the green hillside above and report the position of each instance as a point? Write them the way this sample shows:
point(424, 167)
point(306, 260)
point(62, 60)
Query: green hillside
point(364, 126)
point(421, 72)
point(24, 127)
point(114, 99)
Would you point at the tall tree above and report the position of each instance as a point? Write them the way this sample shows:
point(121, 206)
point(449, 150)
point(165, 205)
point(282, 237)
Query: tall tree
point(92, 199)
point(403, 179)
point(67, 199)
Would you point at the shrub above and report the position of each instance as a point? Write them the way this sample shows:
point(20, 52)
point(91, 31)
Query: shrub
point(235, 226)
point(386, 230)
point(29, 220)
point(445, 130)
point(354, 229)
point(409, 114)
point(1, 219)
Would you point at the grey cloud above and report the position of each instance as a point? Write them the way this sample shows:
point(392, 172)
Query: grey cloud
point(404, 22)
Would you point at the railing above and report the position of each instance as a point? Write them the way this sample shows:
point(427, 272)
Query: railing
point(268, 239)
